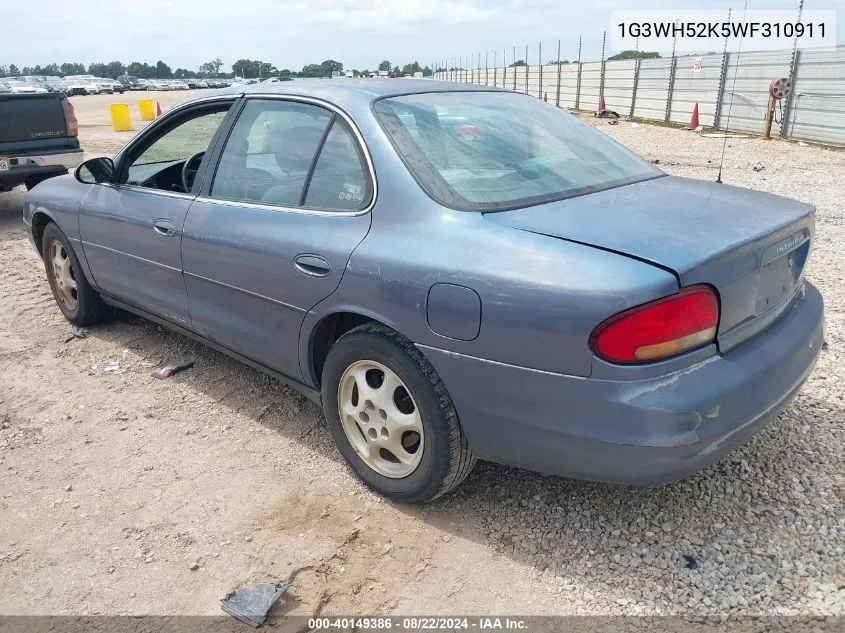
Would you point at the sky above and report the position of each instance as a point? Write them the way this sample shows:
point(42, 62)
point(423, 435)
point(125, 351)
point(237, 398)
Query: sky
point(292, 33)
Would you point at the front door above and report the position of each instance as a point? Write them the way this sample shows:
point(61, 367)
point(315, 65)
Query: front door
point(132, 228)
point(271, 235)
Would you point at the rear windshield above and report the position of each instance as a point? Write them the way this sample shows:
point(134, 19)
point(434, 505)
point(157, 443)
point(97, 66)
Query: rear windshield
point(492, 151)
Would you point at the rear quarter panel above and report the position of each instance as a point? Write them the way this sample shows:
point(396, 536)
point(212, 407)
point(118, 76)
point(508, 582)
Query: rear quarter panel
point(540, 296)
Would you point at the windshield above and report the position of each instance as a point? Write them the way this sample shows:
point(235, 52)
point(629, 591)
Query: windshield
point(492, 151)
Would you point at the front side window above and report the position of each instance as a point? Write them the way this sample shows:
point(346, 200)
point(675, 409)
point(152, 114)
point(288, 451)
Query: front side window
point(161, 164)
point(291, 154)
point(491, 151)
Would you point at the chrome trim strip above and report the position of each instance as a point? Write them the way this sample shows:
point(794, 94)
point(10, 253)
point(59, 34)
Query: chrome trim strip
point(278, 208)
point(66, 159)
point(247, 292)
point(143, 259)
point(155, 192)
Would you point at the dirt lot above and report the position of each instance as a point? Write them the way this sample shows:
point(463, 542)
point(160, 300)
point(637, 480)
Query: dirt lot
point(126, 495)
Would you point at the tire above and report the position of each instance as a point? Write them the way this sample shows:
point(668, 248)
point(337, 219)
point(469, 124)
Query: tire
point(78, 301)
point(445, 458)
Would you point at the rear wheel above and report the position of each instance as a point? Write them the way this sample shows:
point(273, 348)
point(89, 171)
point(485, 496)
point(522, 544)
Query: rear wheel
point(78, 301)
point(391, 416)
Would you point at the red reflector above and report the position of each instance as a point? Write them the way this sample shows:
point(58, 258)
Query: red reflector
point(659, 329)
point(70, 118)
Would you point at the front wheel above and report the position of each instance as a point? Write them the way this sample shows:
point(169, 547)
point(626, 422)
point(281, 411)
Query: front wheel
point(391, 416)
point(78, 301)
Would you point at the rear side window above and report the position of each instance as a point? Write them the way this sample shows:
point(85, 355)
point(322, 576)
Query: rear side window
point(339, 180)
point(291, 154)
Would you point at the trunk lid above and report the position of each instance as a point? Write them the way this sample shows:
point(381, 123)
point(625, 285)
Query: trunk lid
point(31, 117)
point(751, 246)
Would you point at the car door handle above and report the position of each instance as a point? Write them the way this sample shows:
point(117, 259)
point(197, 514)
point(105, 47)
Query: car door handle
point(165, 228)
point(312, 265)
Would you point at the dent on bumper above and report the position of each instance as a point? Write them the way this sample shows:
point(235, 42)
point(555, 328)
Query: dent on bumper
point(633, 431)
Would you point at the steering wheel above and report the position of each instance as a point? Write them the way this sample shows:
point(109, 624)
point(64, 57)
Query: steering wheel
point(189, 173)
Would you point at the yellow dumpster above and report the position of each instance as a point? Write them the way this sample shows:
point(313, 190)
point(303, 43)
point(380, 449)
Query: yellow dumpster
point(120, 117)
point(146, 110)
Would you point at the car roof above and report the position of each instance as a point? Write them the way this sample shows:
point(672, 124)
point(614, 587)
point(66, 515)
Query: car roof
point(353, 89)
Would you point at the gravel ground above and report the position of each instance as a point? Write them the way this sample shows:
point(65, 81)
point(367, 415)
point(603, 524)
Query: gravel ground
point(126, 495)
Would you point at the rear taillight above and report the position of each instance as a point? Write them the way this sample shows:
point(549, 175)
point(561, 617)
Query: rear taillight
point(659, 329)
point(71, 123)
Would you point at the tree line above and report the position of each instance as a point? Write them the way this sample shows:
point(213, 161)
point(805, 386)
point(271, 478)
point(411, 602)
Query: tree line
point(246, 68)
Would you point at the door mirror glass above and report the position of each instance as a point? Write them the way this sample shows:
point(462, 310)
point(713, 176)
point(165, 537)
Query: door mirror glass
point(95, 171)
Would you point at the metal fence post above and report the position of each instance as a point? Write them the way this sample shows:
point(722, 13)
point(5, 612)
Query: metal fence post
point(720, 96)
point(557, 94)
point(514, 67)
point(785, 122)
point(495, 54)
point(486, 70)
point(672, 69)
point(540, 66)
point(526, 69)
point(636, 84)
point(504, 69)
point(578, 81)
point(793, 70)
point(603, 65)
point(671, 90)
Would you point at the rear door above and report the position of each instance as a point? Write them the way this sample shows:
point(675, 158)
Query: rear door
point(132, 229)
point(271, 235)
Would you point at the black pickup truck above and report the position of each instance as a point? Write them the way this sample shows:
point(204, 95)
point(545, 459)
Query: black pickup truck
point(38, 138)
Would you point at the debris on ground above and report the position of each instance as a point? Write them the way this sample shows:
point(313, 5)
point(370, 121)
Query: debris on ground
point(168, 370)
point(251, 604)
point(692, 563)
point(758, 167)
point(606, 114)
point(113, 367)
point(76, 335)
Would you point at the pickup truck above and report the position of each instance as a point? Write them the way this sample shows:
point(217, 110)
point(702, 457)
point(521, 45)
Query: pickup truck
point(38, 138)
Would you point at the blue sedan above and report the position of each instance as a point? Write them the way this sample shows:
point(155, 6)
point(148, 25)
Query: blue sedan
point(452, 273)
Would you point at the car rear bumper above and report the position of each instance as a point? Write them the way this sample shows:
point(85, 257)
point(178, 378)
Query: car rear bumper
point(638, 431)
point(23, 166)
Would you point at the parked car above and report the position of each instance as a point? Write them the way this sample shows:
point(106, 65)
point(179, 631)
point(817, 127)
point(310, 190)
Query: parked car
point(117, 87)
point(178, 85)
point(452, 272)
point(22, 87)
point(130, 82)
point(38, 138)
point(106, 86)
point(56, 86)
point(159, 84)
point(82, 85)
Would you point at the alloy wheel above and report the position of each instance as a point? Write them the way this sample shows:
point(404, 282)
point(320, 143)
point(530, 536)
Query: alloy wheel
point(380, 418)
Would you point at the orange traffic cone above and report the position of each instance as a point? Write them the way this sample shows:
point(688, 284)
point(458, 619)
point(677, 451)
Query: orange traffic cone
point(546, 97)
point(158, 109)
point(602, 106)
point(693, 122)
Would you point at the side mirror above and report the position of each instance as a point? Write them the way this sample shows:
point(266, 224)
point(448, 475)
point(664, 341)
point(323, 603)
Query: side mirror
point(95, 170)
